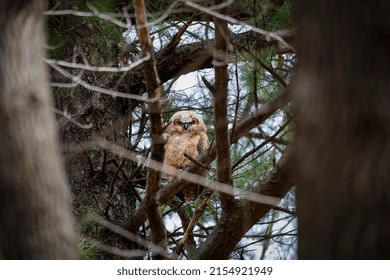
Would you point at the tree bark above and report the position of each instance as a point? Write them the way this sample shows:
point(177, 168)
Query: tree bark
point(343, 130)
point(35, 213)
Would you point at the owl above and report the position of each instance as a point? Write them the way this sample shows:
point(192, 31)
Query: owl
point(186, 133)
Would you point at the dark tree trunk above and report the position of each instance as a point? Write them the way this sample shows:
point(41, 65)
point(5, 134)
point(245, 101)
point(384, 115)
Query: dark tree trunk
point(343, 129)
point(35, 213)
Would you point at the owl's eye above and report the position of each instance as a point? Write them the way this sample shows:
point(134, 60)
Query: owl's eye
point(195, 121)
point(176, 122)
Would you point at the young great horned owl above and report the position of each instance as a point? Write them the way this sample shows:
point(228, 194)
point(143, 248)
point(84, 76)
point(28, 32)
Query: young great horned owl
point(186, 135)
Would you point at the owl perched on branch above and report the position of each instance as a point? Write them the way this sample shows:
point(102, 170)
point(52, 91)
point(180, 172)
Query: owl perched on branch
point(186, 136)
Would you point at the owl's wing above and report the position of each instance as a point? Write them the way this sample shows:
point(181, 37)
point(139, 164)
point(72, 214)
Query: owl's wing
point(202, 144)
point(193, 191)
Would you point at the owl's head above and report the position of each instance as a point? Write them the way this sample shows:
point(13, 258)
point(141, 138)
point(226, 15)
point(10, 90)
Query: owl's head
point(186, 122)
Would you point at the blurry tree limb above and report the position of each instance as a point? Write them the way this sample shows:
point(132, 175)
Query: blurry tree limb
point(35, 213)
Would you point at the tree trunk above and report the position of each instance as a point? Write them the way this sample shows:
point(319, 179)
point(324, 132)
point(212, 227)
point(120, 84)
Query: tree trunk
point(35, 213)
point(343, 130)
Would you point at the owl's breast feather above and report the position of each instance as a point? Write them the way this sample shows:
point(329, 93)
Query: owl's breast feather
point(177, 146)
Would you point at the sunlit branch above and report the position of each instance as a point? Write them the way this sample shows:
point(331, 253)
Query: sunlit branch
point(97, 68)
point(88, 86)
point(69, 118)
point(94, 13)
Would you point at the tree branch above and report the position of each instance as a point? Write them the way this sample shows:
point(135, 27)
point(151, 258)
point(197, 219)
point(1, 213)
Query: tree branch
point(220, 94)
point(157, 150)
point(198, 213)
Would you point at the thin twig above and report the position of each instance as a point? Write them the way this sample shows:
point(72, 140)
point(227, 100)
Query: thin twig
point(198, 213)
point(112, 193)
point(205, 167)
point(285, 210)
point(260, 146)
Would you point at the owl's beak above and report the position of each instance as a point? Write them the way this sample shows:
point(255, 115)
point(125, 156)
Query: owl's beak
point(186, 126)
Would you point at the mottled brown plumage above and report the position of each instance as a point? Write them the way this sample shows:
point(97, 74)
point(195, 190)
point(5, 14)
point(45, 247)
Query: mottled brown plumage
point(186, 135)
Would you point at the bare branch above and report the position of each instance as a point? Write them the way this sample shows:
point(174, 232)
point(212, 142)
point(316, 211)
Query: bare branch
point(198, 213)
point(88, 86)
point(69, 118)
point(96, 68)
point(94, 13)
point(191, 57)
